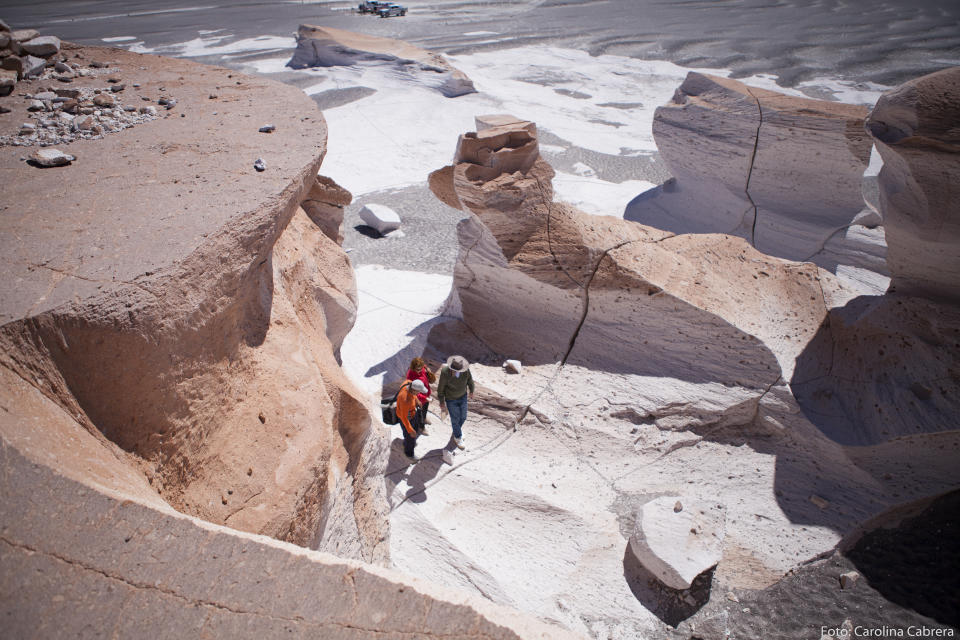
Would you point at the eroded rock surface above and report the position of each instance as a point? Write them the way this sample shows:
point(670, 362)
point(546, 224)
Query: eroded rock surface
point(915, 129)
point(780, 171)
point(327, 47)
point(653, 364)
point(677, 539)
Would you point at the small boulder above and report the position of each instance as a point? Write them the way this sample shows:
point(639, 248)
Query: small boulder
point(44, 46)
point(49, 157)
point(381, 218)
point(8, 80)
point(35, 105)
point(849, 579)
point(24, 35)
point(103, 100)
point(677, 546)
point(259, 164)
point(33, 66)
point(267, 128)
point(513, 366)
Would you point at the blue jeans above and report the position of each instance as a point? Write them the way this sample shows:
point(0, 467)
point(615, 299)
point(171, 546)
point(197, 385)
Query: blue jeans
point(458, 414)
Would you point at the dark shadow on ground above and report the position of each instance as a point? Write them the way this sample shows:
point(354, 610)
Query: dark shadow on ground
point(672, 606)
point(917, 563)
point(367, 231)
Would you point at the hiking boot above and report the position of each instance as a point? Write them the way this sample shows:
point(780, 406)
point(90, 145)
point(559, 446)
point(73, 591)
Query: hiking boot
point(458, 442)
point(424, 432)
point(412, 459)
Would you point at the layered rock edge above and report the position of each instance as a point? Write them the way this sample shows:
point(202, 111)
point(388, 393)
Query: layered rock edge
point(171, 323)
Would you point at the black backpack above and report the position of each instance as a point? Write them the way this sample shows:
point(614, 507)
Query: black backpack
point(389, 408)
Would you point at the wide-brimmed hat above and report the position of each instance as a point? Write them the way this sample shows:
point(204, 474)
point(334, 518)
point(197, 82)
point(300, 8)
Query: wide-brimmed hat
point(418, 386)
point(458, 363)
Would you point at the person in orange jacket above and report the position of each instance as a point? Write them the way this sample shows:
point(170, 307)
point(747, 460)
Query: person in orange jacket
point(407, 405)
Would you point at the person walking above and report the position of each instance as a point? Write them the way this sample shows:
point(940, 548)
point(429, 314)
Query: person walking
point(408, 411)
point(418, 371)
point(454, 384)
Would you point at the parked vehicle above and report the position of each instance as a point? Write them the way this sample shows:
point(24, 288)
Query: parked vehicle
point(372, 6)
point(392, 9)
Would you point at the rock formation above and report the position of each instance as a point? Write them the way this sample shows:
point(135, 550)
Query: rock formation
point(654, 364)
point(915, 129)
point(882, 368)
point(742, 159)
point(169, 329)
point(677, 541)
point(328, 47)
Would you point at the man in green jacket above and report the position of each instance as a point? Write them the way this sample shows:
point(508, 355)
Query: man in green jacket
point(455, 381)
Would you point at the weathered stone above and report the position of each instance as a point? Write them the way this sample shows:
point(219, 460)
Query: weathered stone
point(103, 100)
point(32, 66)
point(23, 35)
point(43, 46)
point(259, 165)
point(324, 205)
point(268, 128)
point(915, 129)
point(35, 105)
point(379, 217)
point(849, 579)
point(84, 123)
point(513, 366)
point(677, 546)
point(780, 171)
point(49, 157)
point(4, 40)
point(8, 80)
point(150, 111)
point(328, 47)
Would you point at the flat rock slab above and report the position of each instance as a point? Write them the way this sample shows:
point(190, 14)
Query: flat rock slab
point(677, 539)
point(83, 229)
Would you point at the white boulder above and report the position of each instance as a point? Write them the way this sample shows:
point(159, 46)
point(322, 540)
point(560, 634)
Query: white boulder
point(51, 157)
point(380, 217)
point(677, 546)
point(513, 366)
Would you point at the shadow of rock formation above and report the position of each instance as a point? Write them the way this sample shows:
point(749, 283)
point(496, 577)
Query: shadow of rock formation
point(880, 368)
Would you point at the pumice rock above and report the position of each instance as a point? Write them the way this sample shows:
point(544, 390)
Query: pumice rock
point(780, 171)
point(328, 47)
point(915, 129)
point(48, 157)
point(677, 545)
point(380, 217)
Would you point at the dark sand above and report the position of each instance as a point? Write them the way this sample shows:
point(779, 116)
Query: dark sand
point(887, 41)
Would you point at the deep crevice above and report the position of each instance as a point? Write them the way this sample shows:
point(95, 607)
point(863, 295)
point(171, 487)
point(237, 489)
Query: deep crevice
point(753, 158)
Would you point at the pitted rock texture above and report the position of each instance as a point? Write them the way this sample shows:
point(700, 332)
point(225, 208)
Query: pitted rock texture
point(327, 47)
point(187, 312)
point(780, 171)
point(915, 129)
